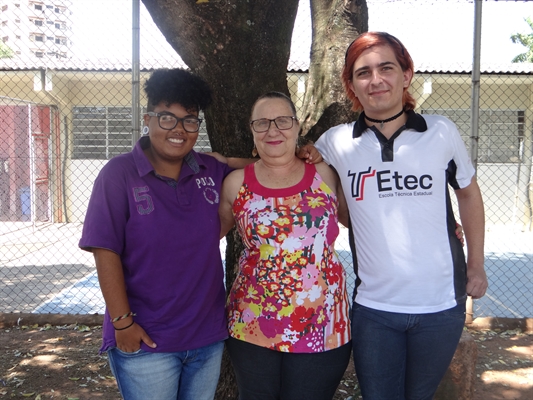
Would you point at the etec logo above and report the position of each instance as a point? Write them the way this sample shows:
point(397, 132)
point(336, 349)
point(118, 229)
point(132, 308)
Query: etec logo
point(386, 181)
point(358, 182)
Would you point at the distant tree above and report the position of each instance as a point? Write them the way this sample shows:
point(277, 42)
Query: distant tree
point(525, 40)
point(5, 51)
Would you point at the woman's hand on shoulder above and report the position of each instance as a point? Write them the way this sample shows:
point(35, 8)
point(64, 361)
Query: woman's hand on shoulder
point(309, 154)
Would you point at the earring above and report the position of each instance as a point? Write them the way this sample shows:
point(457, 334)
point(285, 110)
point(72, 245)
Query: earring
point(145, 130)
point(254, 152)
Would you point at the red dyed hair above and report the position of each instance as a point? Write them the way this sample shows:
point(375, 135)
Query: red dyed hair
point(366, 41)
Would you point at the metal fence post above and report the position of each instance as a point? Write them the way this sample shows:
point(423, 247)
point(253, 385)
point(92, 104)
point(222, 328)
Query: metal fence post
point(135, 71)
point(474, 137)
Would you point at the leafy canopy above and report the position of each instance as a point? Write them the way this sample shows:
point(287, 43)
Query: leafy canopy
point(5, 51)
point(525, 40)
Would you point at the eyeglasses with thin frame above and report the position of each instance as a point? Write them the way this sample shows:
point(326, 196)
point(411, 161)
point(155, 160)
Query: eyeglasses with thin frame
point(170, 121)
point(263, 124)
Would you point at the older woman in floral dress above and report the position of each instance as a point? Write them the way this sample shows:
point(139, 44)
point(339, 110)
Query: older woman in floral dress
point(288, 308)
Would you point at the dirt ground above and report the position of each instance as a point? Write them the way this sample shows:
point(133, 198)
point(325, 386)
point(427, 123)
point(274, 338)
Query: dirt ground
point(62, 362)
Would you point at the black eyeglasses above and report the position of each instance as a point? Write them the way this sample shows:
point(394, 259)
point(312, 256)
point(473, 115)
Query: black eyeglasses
point(263, 124)
point(170, 121)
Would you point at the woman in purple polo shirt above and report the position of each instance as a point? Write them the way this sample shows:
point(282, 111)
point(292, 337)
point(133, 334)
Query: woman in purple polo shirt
point(153, 226)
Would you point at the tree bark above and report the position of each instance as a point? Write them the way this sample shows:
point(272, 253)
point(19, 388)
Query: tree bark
point(336, 23)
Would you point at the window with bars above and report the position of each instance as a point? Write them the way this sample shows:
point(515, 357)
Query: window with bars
point(500, 132)
point(101, 133)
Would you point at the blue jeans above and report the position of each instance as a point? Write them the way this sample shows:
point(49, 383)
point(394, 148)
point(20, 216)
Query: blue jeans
point(184, 375)
point(403, 356)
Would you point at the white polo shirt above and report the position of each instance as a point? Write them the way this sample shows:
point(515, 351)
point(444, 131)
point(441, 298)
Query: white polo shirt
point(407, 258)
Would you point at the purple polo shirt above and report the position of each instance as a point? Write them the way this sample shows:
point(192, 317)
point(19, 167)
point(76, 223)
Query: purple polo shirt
point(167, 236)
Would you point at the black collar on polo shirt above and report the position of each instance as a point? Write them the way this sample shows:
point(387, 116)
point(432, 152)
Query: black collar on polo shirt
point(414, 121)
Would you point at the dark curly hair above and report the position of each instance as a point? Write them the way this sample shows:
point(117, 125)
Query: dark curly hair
point(179, 86)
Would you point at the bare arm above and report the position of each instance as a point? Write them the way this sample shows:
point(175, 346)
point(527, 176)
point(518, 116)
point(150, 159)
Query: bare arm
point(473, 220)
point(329, 175)
point(239, 163)
point(230, 189)
point(309, 153)
point(111, 279)
point(233, 162)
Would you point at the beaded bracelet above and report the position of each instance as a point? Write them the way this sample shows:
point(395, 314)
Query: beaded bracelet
point(130, 314)
point(126, 327)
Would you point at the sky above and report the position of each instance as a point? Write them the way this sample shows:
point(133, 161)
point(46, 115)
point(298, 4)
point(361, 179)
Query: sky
point(445, 29)
point(434, 31)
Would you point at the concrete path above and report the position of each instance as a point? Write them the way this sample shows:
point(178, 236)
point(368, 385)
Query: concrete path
point(42, 270)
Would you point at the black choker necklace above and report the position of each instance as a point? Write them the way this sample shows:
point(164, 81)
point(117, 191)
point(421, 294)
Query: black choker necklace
point(381, 122)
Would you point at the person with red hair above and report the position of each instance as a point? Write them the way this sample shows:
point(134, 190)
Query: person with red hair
point(413, 279)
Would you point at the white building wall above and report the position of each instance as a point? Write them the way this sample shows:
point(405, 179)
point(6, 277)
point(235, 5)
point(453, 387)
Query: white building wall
point(36, 29)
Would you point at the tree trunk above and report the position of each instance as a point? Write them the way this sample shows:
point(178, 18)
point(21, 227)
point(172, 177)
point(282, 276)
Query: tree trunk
point(336, 23)
point(241, 49)
point(227, 385)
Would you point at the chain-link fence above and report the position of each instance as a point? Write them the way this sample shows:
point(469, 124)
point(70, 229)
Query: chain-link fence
point(66, 108)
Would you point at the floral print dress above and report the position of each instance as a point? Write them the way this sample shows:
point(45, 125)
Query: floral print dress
point(290, 294)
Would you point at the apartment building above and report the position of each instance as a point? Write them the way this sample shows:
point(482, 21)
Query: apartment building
point(36, 29)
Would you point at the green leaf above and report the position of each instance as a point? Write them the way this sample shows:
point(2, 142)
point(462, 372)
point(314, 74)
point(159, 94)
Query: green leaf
point(84, 328)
